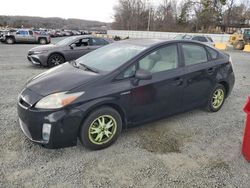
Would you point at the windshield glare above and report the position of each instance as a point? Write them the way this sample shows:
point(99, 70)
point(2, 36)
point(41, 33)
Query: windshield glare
point(110, 57)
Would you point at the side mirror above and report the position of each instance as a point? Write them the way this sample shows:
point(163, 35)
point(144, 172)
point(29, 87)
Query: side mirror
point(141, 74)
point(72, 46)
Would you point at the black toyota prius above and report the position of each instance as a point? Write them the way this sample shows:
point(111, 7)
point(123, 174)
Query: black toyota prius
point(122, 85)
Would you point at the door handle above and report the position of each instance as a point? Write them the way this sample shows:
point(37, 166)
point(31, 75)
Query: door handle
point(211, 70)
point(177, 82)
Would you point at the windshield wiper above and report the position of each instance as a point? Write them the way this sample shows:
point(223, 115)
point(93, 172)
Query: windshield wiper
point(86, 67)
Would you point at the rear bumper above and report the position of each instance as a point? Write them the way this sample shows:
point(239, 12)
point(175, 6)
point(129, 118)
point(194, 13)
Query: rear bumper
point(231, 81)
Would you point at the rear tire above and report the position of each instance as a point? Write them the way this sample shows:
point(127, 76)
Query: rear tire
point(216, 99)
point(55, 59)
point(101, 128)
point(10, 40)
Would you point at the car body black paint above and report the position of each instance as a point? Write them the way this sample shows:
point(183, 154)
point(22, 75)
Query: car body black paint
point(167, 93)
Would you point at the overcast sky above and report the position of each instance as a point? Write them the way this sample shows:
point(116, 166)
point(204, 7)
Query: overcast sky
point(101, 10)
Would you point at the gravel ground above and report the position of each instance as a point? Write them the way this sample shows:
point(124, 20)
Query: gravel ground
point(194, 149)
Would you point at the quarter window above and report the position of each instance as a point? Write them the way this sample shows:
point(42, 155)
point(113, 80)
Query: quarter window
point(194, 54)
point(213, 54)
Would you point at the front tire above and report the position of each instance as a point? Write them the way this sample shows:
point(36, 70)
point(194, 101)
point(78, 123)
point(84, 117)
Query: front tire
point(101, 128)
point(10, 40)
point(216, 99)
point(55, 59)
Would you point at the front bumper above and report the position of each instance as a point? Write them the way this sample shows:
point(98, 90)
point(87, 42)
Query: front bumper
point(40, 59)
point(64, 123)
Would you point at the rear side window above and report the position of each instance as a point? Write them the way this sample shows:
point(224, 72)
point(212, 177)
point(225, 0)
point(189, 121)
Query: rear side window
point(31, 32)
point(213, 54)
point(194, 54)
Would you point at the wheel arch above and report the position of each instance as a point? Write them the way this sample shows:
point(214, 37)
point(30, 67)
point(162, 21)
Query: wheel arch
point(105, 103)
point(226, 86)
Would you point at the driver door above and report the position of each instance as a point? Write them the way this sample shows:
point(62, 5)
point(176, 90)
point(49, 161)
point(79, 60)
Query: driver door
point(78, 49)
point(161, 95)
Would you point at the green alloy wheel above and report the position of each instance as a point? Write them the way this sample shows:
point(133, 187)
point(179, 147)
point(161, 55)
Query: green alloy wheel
point(101, 128)
point(216, 99)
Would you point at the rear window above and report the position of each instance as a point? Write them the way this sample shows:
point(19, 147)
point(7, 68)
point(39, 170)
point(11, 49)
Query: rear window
point(194, 54)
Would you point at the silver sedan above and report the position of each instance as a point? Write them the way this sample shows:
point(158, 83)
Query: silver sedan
point(65, 50)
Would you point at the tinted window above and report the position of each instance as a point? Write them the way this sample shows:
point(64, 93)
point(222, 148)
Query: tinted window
point(163, 59)
point(194, 54)
point(22, 32)
point(98, 42)
point(81, 42)
point(213, 54)
point(31, 32)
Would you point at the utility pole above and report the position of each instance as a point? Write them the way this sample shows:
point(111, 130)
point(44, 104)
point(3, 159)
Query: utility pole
point(149, 14)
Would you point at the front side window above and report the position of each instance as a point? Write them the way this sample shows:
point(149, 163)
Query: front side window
point(22, 32)
point(81, 42)
point(194, 54)
point(30, 32)
point(163, 59)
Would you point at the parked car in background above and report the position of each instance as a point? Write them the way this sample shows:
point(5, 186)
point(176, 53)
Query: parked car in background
point(65, 50)
point(121, 85)
point(26, 36)
point(201, 38)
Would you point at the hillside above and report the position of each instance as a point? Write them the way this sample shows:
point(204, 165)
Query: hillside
point(53, 23)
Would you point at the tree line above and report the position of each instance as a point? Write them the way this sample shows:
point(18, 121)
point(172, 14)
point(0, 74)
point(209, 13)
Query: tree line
point(51, 23)
point(182, 15)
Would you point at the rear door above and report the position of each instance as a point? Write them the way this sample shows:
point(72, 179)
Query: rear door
point(31, 36)
point(199, 78)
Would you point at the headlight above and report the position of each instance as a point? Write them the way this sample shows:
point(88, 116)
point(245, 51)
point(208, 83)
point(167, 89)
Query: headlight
point(57, 100)
point(40, 52)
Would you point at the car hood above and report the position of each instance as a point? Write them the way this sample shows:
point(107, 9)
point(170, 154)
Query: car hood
point(61, 78)
point(44, 47)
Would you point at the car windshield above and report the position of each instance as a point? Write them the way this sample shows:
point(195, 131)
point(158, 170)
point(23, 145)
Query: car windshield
point(110, 57)
point(66, 41)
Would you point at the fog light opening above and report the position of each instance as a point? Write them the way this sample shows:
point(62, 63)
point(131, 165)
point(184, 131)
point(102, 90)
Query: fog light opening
point(46, 131)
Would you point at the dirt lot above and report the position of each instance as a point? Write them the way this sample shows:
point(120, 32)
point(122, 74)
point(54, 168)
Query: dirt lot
point(194, 149)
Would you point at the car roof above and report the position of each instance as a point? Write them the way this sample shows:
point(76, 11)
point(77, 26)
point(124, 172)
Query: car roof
point(157, 41)
point(144, 42)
